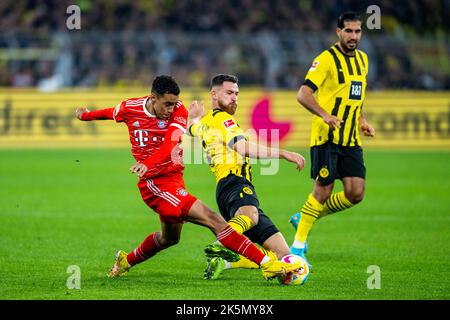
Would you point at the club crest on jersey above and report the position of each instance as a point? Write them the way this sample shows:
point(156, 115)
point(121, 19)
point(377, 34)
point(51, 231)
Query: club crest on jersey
point(182, 192)
point(229, 123)
point(162, 124)
point(136, 123)
point(247, 190)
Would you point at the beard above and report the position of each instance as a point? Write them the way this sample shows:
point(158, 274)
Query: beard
point(349, 46)
point(230, 108)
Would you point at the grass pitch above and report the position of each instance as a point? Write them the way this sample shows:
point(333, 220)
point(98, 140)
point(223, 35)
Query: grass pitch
point(77, 207)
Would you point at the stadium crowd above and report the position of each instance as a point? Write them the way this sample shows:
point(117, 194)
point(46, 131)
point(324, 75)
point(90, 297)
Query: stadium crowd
point(268, 43)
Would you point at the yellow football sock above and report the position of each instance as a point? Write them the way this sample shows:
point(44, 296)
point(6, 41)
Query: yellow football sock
point(240, 223)
point(248, 264)
point(244, 263)
point(335, 203)
point(310, 213)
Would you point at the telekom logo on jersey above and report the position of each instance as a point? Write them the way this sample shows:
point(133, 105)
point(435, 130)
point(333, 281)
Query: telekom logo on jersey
point(141, 136)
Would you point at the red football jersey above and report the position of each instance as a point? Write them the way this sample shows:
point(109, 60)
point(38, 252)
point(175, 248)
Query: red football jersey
point(147, 132)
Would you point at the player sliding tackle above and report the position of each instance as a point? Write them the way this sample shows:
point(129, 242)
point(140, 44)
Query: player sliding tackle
point(156, 124)
point(229, 150)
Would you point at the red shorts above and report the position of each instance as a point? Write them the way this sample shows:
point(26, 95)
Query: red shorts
point(168, 197)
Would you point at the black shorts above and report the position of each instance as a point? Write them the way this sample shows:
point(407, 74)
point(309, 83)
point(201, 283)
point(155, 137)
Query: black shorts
point(234, 192)
point(330, 161)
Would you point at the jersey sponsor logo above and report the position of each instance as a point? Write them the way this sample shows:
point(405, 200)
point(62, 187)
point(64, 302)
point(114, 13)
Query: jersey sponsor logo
point(247, 190)
point(181, 120)
point(355, 90)
point(314, 66)
point(323, 173)
point(157, 138)
point(141, 137)
point(162, 124)
point(229, 123)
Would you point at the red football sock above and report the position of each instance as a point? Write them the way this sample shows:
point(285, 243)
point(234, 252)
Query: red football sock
point(146, 249)
point(232, 240)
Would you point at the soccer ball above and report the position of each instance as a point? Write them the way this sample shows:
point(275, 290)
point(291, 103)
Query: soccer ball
point(296, 277)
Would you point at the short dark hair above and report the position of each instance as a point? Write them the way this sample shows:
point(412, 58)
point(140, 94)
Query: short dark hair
point(219, 79)
point(347, 16)
point(165, 84)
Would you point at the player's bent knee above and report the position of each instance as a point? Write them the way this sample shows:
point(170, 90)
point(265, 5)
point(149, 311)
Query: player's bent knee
point(355, 197)
point(165, 243)
point(254, 218)
point(249, 211)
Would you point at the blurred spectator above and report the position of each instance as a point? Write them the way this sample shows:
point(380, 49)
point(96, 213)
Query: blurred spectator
point(271, 43)
point(22, 78)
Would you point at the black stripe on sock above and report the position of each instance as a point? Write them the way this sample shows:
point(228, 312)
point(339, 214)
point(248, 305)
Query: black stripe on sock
point(309, 207)
point(333, 205)
point(311, 211)
point(245, 224)
point(309, 214)
point(241, 222)
point(339, 203)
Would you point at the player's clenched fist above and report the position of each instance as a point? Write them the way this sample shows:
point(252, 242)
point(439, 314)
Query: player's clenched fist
point(80, 111)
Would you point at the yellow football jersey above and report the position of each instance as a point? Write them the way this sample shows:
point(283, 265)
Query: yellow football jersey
point(340, 83)
point(218, 132)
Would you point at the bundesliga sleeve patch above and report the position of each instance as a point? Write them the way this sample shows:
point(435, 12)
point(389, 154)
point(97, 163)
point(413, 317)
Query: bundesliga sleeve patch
point(229, 123)
point(314, 66)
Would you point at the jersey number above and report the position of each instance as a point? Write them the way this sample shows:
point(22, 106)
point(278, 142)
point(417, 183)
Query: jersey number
point(355, 90)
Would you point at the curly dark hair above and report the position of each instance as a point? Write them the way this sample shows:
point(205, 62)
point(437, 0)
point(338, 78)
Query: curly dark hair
point(165, 84)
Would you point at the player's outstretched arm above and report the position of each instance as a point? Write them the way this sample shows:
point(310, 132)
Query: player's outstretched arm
point(259, 151)
point(79, 112)
point(293, 157)
point(84, 114)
